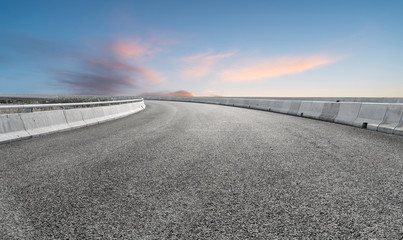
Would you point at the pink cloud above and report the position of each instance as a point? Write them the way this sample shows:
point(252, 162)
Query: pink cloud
point(133, 48)
point(201, 64)
point(269, 68)
point(152, 75)
point(137, 48)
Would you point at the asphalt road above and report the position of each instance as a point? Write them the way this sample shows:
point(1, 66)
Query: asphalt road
point(199, 171)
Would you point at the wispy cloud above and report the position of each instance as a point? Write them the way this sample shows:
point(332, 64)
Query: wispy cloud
point(99, 69)
point(111, 83)
point(149, 74)
point(133, 48)
point(200, 65)
point(268, 68)
point(105, 76)
point(139, 48)
point(152, 75)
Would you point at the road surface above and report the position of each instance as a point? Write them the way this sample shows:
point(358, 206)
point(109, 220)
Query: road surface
point(200, 171)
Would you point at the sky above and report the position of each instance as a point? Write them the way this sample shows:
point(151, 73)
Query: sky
point(202, 48)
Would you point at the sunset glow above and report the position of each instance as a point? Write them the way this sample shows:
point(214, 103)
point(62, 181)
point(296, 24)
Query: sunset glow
point(202, 64)
point(270, 68)
point(264, 48)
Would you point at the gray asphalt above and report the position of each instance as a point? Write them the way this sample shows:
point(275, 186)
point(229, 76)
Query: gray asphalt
point(199, 171)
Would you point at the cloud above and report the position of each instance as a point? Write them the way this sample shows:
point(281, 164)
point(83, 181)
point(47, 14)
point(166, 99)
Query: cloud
point(106, 76)
point(149, 74)
point(95, 83)
point(137, 48)
point(132, 48)
point(269, 68)
point(92, 70)
point(181, 93)
point(152, 75)
point(96, 77)
point(202, 64)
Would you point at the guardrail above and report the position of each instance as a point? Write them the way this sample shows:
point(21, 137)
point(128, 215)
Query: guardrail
point(382, 117)
point(31, 107)
point(15, 126)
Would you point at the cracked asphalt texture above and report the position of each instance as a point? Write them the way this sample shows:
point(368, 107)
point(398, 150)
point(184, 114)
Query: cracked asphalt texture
point(199, 171)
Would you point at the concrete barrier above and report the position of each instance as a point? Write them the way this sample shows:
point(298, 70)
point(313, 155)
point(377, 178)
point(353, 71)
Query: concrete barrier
point(124, 109)
point(329, 111)
point(12, 127)
point(306, 99)
point(275, 106)
point(371, 115)
point(294, 107)
point(247, 103)
point(140, 106)
point(238, 103)
point(392, 118)
point(89, 116)
point(227, 102)
point(109, 112)
point(311, 109)
point(399, 128)
point(220, 101)
point(117, 111)
point(24, 125)
point(348, 113)
point(384, 117)
point(38, 123)
point(261, 104)
point(74, 118)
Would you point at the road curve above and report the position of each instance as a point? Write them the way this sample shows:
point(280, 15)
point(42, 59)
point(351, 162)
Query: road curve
point(199, 171)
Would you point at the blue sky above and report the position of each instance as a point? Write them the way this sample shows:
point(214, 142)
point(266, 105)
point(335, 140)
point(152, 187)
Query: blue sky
point(204, 48)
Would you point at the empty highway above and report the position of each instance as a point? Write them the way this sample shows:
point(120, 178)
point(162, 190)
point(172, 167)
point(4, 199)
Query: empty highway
point(199, 171)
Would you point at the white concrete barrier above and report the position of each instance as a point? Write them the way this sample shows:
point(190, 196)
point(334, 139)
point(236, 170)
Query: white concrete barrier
point(261, 104)
point(74, 118)
point(38, 123)
point(99, 113)
point(124, 108)
point(399, 128)
point(109, 112)
point(392, 118)
point(25, 125)
point(214, 101)
point(89, 116)
point(139, 106)
point(247, 103)
point(275, 106)
point(238, 102)
point(348, 113)
point(311, 109)
point(294, 107)
point(133, 107)
point(385, 117)
point(329, 111)
point(12, 127)
point(227, 102)
point(285, 106)
point(221, 101)
point(371, 115)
